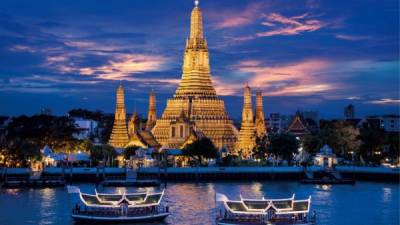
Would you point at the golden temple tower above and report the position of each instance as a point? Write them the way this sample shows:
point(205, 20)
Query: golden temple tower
point(261, 128)
point(134, 124)
point(246, 141)
point(196, 95)
point(119, 135)
point(152, 114)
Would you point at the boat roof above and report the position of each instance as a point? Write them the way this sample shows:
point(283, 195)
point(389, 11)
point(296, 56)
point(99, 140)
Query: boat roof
point(133, 200)
point(262, 206)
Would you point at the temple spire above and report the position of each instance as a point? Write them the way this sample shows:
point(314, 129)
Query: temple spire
point(260, 124)
point(246, 140)
point(196, 23)
point(119, 135)
point(196, 78)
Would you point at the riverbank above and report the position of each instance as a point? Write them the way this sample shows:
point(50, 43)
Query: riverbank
point(207, 173)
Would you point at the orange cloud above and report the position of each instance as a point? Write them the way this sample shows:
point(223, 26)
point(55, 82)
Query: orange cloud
point(301, 78)
point(123, 66)
point(230, 19)
point(289, 25)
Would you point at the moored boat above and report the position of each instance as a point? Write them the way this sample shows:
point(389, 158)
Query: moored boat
point(119, 208)
point(265, 211)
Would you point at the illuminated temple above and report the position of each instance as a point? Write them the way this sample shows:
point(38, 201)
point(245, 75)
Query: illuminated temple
point(261, 128)
point(247, 135)
point(195, 110)
point(119, 135)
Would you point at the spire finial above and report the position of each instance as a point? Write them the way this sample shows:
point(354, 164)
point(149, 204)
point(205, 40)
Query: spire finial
point(196, 3)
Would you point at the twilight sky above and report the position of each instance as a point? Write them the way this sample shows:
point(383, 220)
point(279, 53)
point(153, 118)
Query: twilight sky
point(304, 54)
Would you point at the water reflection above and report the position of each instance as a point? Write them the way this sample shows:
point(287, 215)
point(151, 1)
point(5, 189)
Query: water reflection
point(194, 204)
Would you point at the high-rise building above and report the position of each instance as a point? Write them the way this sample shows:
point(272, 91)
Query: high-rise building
point(246, 140)
point(152, 114)
point(349, 112)
point(195, 98)
point(260, 124)
point(119, 135)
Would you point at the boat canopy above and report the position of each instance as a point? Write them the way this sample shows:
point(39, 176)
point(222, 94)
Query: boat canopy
point(133, 200)
point(263, 206)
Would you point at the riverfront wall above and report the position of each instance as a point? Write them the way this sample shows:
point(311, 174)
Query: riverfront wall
point(209, 173)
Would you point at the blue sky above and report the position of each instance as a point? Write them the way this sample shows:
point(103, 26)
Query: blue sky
point(307, 55)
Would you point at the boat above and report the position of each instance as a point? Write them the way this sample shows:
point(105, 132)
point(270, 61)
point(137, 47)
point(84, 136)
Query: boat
point(265, 211)
point(119, 207)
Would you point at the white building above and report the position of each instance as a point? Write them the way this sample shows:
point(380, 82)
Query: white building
point(86, 128)
point(390, 123)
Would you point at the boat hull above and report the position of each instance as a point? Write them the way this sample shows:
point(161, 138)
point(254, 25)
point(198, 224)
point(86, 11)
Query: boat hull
point(268, 223)
point(120, 219)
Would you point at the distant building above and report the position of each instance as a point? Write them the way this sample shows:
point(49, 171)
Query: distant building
point(86, 128)
point(278, 123)
point(349, 112)
point(390, 123)
point(274, 122)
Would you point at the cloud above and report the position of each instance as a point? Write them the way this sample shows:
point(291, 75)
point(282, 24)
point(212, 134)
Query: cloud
point(282, 25)
point(22, 48)
point(124, 65)
point(351, 37)
point(353, 98)
point(298, 78)
point(237, 18)
point(385, 101)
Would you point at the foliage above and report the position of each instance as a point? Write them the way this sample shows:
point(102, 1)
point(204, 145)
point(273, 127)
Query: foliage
point(340, 136)
point(130, 151)
point(260, 151)
point(41, 130)
point(199, 149)
point(102, 153)
point(372, 140)
point(392, 141)
point(19, 152)
point(284, 145)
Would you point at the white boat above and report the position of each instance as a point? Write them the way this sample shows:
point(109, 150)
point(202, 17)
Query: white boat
point(119, 208)
point(265, 211)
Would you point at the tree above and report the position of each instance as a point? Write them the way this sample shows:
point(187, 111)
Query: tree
point(41, 130)
point(340, 136)
point(103, 153)
point(130, 151)
point(311, 143)
point(261, 149)
point(199, 149)
point(348, 138)
point(392, 141)
point(372, 140)
point(284, 145)
point(20, 151)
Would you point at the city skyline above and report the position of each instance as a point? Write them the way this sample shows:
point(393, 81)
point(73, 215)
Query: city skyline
point(73, 56)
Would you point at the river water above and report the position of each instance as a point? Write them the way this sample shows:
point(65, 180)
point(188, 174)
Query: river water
point(366, 203)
